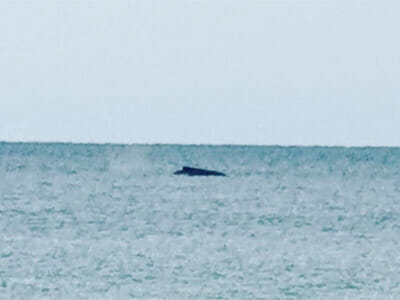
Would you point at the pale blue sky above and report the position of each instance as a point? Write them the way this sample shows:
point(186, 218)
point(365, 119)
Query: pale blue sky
point(241, 72)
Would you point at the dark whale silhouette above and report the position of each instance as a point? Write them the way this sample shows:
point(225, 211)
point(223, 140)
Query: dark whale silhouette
point(197, 172)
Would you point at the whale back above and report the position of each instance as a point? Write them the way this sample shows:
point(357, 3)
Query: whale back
point(197, 172)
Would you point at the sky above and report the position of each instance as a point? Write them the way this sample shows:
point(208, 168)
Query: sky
point(272, 72)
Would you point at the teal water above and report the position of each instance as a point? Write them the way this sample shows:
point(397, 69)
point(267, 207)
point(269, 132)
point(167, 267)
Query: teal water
point(112, 222)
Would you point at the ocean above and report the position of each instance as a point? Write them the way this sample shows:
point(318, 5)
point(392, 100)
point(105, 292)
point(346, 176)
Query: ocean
point(86, 221)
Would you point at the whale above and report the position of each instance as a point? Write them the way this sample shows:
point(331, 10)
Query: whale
point(189, 171)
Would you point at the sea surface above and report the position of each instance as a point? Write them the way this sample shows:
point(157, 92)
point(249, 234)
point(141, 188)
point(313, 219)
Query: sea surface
point(113, 222)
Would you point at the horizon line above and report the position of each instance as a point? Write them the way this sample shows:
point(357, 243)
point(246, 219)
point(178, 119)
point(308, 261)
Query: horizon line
point(196, 144)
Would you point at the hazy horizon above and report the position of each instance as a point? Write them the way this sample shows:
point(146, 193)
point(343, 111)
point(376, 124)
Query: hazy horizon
point(196, 144)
